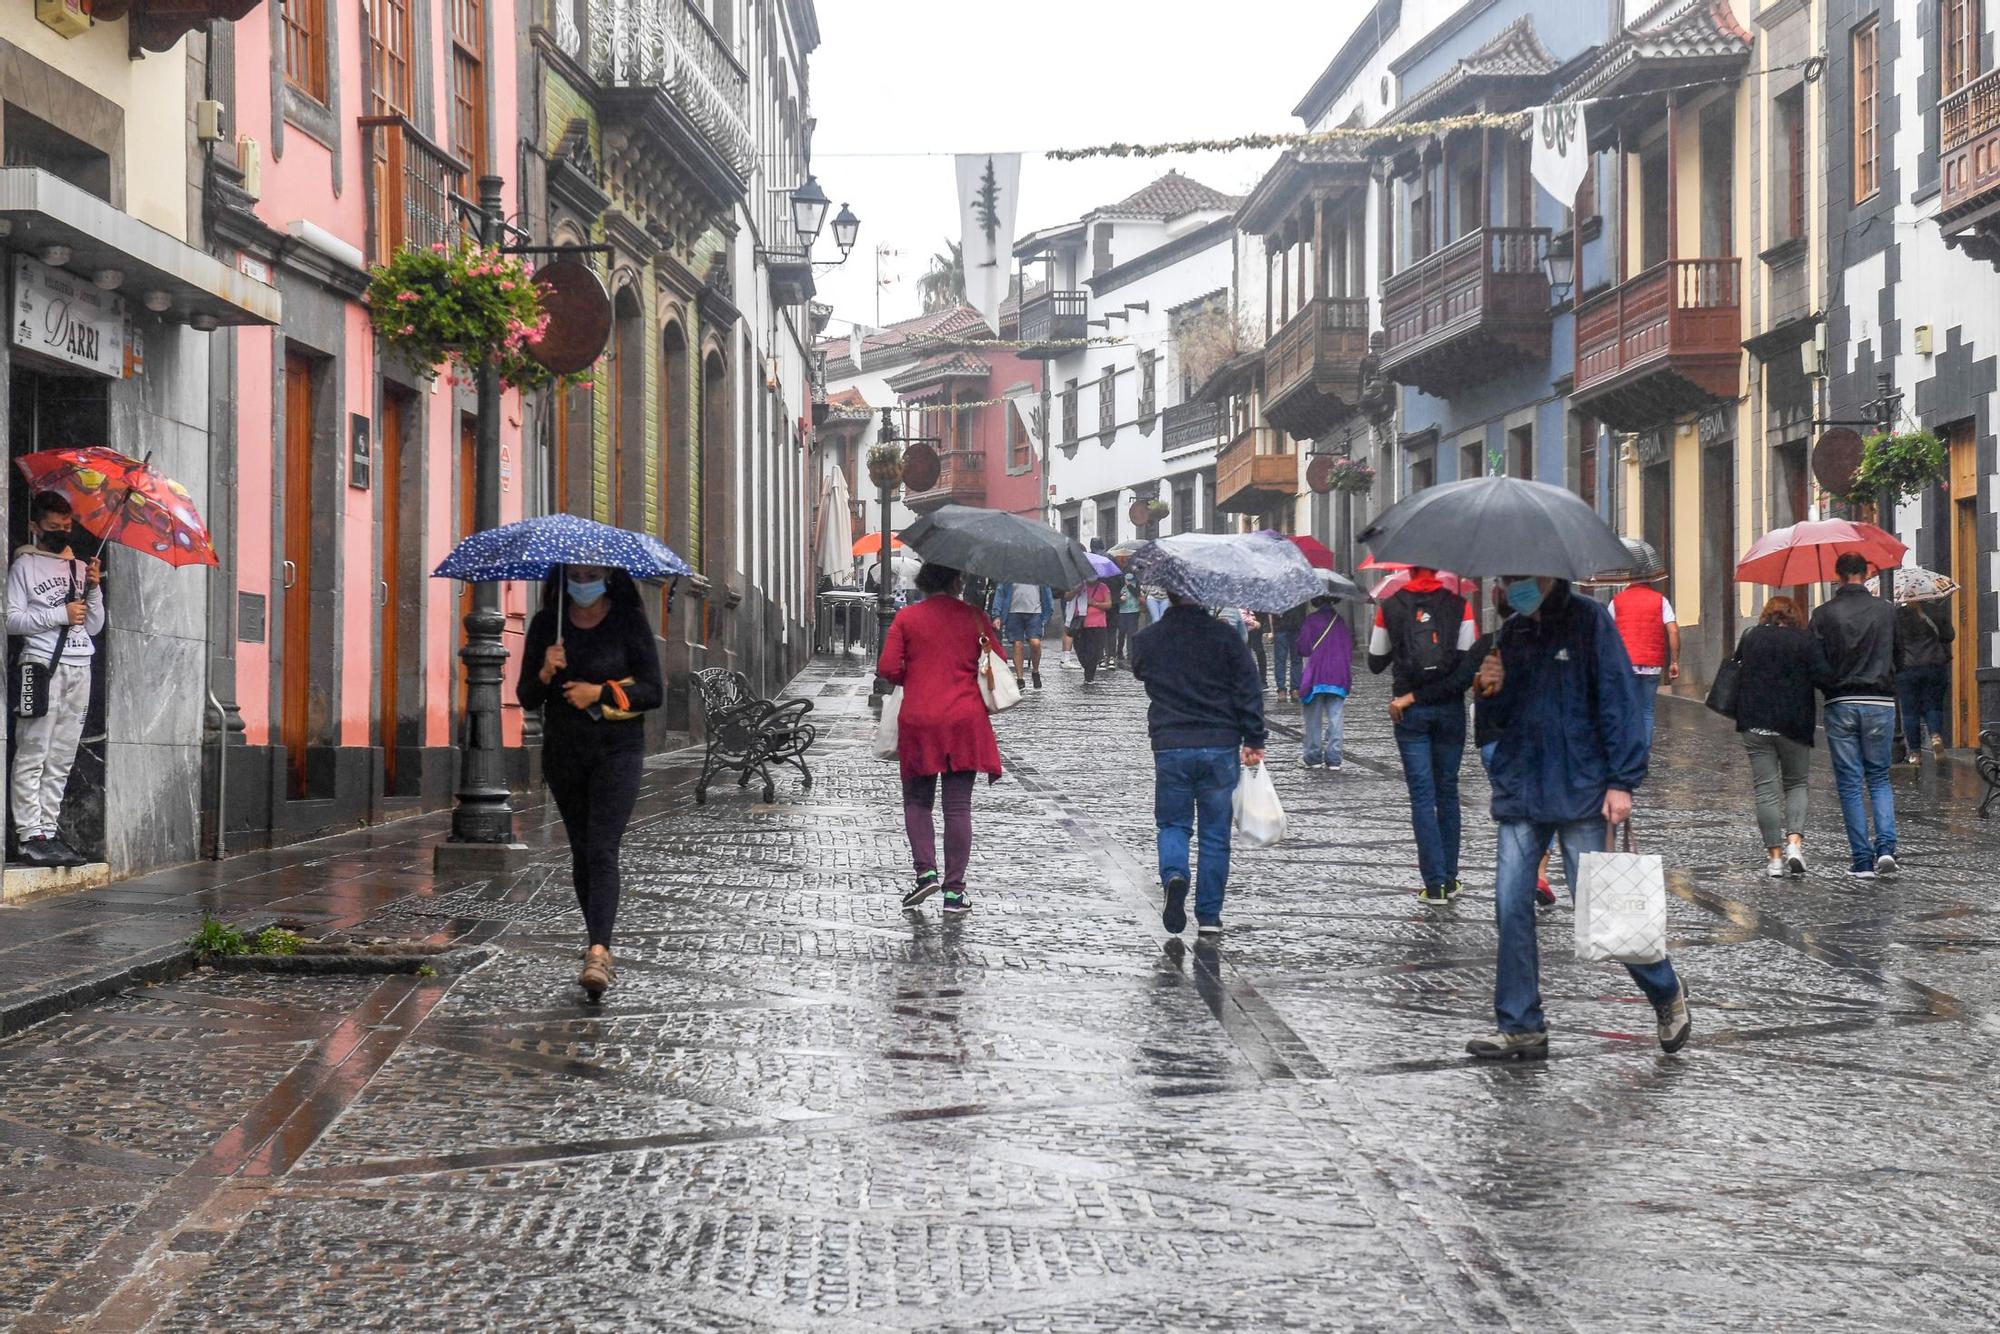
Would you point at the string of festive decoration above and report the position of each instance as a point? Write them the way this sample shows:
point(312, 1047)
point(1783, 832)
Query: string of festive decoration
point(1414, 129)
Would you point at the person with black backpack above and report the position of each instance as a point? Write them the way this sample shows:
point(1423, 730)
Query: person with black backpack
point(1422, 630)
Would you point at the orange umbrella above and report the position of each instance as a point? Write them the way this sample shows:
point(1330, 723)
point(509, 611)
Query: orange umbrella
point(121, 499)
point(871, 545)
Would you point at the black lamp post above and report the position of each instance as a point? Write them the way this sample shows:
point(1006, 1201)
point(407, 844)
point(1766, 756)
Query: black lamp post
point(885, 476)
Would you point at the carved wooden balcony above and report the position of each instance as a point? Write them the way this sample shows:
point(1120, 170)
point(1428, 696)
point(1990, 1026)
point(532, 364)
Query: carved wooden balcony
point(961, 481)
point(1660, 345)
point(1052, 317)
point(1465, 314)
point(1969, 162)
point(1250, 478)
point(1312, 367)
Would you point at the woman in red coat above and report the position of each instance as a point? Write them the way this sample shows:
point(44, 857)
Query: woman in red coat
point(933, 653)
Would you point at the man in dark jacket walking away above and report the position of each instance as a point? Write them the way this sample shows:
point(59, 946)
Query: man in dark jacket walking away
point(1571, 748)
point(1857, 633)
point(1422, 630)
point(1206, 715)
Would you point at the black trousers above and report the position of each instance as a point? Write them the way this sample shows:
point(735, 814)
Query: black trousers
point(1090, 649)
point(595, 789)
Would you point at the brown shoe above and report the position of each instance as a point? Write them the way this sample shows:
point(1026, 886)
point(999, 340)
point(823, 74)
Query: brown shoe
point(597, 975)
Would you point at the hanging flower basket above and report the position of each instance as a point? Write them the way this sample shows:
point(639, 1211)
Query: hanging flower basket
point(1158, 508)
point(1902, 464)
point(1350, 475)
point(885, 465)
point(463, 308)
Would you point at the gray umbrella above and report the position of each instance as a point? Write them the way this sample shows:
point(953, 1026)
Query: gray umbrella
point(999, 545)
point(1229, 569)
point(1336, 584)
point(1497, 525)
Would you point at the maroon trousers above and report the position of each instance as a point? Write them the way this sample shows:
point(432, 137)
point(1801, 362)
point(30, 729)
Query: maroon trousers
point(919, 796)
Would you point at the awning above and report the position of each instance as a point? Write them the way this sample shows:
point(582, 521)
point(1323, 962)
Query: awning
point(38, 210)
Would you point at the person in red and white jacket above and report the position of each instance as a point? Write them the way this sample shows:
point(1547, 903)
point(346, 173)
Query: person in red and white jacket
point(1652, 640)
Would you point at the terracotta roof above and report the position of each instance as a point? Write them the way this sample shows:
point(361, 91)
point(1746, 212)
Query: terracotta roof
point(955, 319)
point(1515, 60)
point(849, 397)
point(1171, 196)
point(1696, 35)
point(936, 369)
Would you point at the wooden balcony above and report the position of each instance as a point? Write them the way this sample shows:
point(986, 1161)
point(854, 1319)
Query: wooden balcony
point(1660, 345)
point(1969, 160)
point(1052, 317)
point(1250, 478)
point(961, 481)
point(1190, 425)
point(1312, 368)
point(410, 184)
point(1465, 314)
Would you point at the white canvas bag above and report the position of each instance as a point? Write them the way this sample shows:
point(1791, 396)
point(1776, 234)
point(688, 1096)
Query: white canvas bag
point(1621, 905)
point(997, 685)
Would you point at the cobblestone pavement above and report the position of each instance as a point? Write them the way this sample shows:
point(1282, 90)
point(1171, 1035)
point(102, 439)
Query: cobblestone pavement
point(803, 1108)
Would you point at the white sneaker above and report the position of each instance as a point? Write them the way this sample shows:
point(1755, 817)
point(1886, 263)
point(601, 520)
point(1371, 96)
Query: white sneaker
point(1795, 859)
point(1776, 870)
point(1886, 864)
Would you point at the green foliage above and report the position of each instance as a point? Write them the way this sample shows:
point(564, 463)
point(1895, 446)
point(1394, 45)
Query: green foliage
point(987, 205)
point(943, 285)
point(425, 970)
point(1902, 465)
point(1350, 474)
point(277, 940)
point(462, 307)
point(217, 940)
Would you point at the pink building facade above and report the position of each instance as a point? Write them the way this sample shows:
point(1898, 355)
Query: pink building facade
point(335, 657)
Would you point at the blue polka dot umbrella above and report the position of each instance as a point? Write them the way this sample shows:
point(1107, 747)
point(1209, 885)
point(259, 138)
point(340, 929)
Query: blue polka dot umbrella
point(533, 548)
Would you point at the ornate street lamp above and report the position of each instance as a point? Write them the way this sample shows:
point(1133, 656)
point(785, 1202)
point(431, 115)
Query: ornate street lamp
point(809, 206)
point(1560, 263)
point(845, 226)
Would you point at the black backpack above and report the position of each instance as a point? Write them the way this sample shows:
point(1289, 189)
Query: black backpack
point(1423, 631)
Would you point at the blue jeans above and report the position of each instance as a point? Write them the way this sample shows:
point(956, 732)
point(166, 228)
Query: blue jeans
point(1649, 694)
point(1191, 781)
point(1517, 983)
point(1431, 738)
point(1023, 626)
point(1326, 728)
point(1859, 740)
point(1287, 670)
point(1920, 692)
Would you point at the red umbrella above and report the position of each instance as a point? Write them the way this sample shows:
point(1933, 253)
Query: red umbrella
point(121, 499)
point(1373, 564)
point(1805, 552)
point(1400, 576)
point(1314, 551)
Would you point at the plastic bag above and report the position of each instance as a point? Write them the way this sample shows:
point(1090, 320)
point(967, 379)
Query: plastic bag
point(1621, 906)
point(1259, 816)
point(884, 744)
point(997, 686)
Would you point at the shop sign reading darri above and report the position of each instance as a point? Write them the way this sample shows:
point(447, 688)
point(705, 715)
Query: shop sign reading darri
point(60, 315)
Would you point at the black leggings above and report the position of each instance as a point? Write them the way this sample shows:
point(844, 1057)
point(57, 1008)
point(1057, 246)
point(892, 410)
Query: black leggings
point(595, 790)
point(1090, 649)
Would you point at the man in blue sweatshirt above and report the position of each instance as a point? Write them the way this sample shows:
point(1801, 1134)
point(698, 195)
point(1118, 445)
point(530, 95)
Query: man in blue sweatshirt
point(1206, 715)
point(1571, 748)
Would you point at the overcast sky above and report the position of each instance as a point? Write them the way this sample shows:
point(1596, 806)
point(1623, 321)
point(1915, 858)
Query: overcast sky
point(950, 76)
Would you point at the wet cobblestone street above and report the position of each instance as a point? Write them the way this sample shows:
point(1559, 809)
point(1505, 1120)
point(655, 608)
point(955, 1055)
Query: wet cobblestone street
point(802, 1107)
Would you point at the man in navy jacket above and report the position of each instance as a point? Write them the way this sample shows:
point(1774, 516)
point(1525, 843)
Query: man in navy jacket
point(1572, 747)
point(1206, 717)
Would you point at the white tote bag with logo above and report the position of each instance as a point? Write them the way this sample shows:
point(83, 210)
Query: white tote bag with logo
point(1621, 906)
point(997, 686)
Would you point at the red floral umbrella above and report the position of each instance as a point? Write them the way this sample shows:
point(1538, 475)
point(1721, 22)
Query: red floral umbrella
point(1314, 551)
point(121, 499)
point(1805, 552)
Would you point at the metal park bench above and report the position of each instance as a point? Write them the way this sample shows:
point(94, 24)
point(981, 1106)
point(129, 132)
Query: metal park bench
point(747, 735)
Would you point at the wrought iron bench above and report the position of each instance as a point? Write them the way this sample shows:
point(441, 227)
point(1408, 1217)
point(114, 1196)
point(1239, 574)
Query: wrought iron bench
point(747, 735)
point(1988, 762)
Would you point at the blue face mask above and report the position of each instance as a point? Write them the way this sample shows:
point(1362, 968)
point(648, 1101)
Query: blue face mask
point(585, 594)
point(1525, 596)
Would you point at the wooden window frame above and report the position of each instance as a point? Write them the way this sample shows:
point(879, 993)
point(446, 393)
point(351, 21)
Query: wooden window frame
point(1958, 45)
point(392, 63)
point(468, 84)
point(304, 23)
point(1865, 46)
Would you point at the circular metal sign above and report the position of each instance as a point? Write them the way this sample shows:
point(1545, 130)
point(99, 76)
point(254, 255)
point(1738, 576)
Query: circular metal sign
point(579, 311)
point(920, 467)
point(1836, 458)
point(1319, 474)
point(1140, 514)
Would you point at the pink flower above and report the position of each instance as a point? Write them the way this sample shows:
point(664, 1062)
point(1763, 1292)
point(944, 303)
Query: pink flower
point(506, 285)
point(407, 330)
point(586, 384)
point(437, 247)
point(406, 296)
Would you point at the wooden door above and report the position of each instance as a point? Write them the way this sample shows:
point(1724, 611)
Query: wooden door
point(389, 475)
point(1964, 719)
point(295, 653)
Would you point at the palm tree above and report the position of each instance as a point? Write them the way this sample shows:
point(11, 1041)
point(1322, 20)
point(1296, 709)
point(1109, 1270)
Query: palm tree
point(943, 284)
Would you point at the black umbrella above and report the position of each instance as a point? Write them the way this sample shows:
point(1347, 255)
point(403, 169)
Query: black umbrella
point(999, 545)
point(1497, 525)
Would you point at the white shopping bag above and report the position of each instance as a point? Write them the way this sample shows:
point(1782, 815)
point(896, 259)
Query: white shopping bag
point(1621, 906)
point(1259, 817)
point(997, 686)
point(884, 744)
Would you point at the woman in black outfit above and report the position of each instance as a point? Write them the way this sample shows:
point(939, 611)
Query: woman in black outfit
point(593, 684)
point(1779, 664)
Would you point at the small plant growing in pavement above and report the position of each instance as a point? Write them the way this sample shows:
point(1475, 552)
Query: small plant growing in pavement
point(277, 940)
point(217, 940)
point(425, 970)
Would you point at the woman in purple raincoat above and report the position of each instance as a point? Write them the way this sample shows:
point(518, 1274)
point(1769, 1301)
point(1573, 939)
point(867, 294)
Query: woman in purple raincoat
point(1326, 647)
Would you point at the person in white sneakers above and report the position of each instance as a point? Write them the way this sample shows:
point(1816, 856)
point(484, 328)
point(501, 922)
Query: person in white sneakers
point(55, 603)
